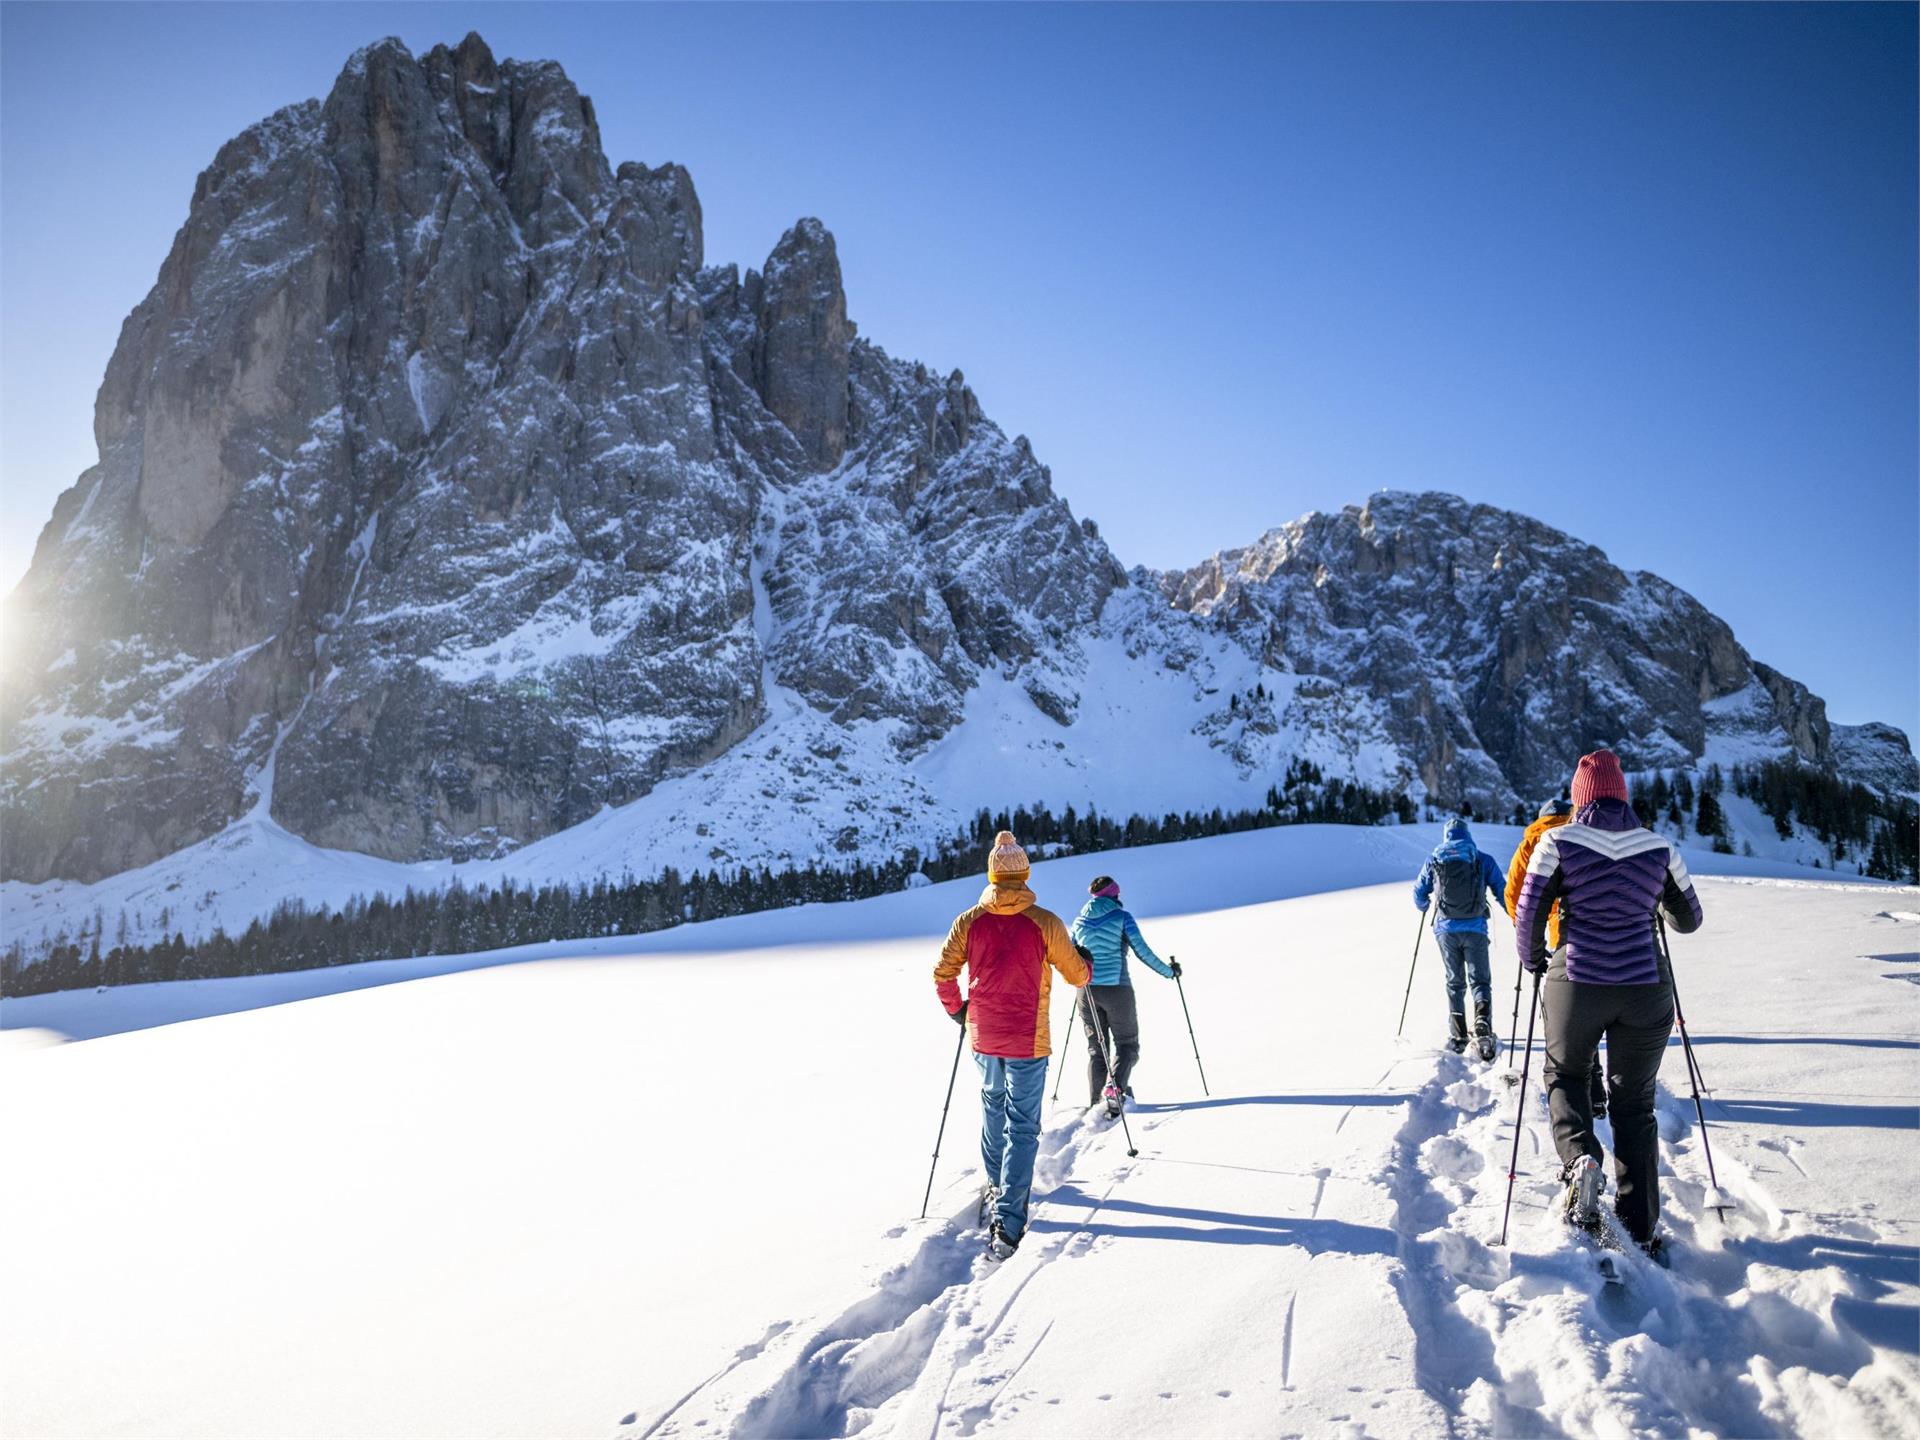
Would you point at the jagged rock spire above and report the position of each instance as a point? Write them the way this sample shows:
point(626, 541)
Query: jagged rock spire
point(802, 340)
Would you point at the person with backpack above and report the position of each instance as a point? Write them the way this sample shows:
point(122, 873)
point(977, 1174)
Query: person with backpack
point(1553, 814)
point(1611, 877)
point(1458, 877)
point(1105, 932)
point(1009, 948)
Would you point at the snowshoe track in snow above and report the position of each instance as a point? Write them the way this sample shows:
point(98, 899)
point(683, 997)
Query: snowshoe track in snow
point(833, 1379)
point(1526, 1339)
point(1530, 1339)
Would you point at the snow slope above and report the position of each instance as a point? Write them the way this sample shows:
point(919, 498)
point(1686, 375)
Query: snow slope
point(625, 1188)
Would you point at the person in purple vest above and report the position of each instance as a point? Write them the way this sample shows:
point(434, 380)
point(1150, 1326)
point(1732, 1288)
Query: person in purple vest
point(1610, 876)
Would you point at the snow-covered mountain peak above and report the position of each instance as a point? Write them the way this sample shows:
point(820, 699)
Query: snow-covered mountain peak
point(448, 497)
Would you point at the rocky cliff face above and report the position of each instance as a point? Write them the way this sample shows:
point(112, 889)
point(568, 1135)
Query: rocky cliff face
point(445, 496)
point(432, 478)
point(1502, 649)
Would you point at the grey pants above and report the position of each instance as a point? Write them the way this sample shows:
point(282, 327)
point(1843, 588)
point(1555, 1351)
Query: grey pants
point(1104, 1010)
point(1464, 964)
point(1636, 1021)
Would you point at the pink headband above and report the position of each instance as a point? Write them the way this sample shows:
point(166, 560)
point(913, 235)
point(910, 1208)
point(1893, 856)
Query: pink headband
point(1111, 890)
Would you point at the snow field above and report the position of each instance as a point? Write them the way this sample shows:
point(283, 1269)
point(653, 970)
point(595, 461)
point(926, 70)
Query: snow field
point(1324, 1262)
point(628, 1187)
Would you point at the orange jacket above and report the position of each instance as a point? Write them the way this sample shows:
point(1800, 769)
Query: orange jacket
point(1517, 872)
point(1009, 947)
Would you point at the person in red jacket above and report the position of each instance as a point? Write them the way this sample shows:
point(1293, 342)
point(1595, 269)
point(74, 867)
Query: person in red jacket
point(1009, 948)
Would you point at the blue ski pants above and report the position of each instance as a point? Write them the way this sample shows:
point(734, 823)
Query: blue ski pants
point(1010, 1096)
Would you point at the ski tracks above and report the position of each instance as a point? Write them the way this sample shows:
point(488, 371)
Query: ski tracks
point(1525, 1339)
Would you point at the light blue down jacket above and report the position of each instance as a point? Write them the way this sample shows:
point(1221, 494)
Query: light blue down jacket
point(1107, 932)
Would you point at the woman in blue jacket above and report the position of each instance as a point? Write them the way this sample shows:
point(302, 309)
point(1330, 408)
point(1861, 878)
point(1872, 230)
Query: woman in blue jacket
point(1105, 933)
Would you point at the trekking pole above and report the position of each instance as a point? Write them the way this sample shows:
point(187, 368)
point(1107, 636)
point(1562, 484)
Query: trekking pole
point(1113, 1079)
point(958, 1047)
point(1079, 998)
point(1061, 1069)
point(1513, 1040)
point(1679, 1015)
point(1693, 1073)
point(1196, 1044)
point(1519, 1108)
point(1419, 930)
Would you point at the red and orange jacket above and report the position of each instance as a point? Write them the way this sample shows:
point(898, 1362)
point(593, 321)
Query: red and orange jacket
point(1517, 872)
point(1008, 946)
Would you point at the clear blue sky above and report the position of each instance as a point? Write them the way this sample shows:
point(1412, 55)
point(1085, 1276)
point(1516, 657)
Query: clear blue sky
point(1647, 273)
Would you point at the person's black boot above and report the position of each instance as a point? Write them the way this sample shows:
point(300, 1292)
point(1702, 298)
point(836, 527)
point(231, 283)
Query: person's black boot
point(1457, 1032)
point(1483, 1039)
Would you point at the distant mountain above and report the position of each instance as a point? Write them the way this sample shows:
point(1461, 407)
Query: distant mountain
point(447, 498)
point(1500, 649)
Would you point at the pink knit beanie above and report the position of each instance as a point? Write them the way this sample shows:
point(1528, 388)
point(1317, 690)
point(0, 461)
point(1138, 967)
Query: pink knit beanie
point(1598, 778)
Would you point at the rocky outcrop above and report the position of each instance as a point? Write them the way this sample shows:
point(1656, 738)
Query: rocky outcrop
point(1878, 756)
point(802, 342)
point(1499, 648)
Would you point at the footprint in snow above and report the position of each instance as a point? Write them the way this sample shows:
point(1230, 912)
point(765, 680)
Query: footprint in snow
point(1468, 1097)
point(1452, 1158)
point(1467, 1259)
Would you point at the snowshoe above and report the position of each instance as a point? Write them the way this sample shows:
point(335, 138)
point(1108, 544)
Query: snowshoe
point(1659, 1251)
point(1110, 1097)
point(1485, 1043)
point(988, 1195)
point(1609, 1269)
point(1001, 1245)
point(1601, 1232)
point(1583, 1194)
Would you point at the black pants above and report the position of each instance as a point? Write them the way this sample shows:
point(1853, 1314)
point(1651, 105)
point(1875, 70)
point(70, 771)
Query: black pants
point(1113, 1005)
point(1597, 1077)
point(1636, 1021)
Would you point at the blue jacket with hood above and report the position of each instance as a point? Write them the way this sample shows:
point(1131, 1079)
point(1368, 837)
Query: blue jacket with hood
point(1106, 932)
point(1457, 844)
